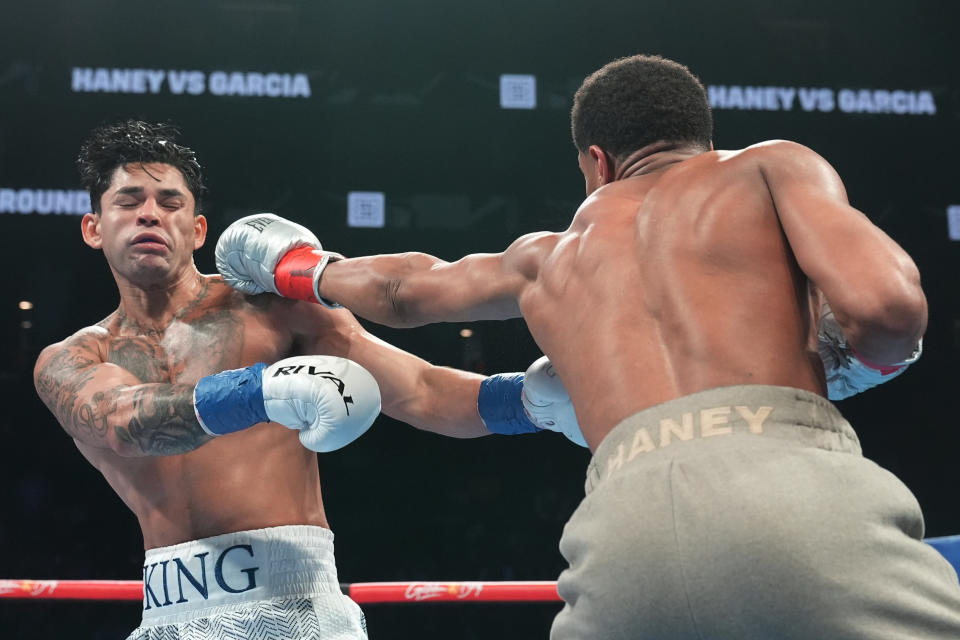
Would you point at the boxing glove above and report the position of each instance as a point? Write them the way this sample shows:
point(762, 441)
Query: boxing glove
point(514, 403)
point(264, 252)
point(331, 401)
point(547, 403)
point(847, 373)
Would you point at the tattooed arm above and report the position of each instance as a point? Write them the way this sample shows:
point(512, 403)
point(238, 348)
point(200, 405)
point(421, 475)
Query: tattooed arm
point(104, 405)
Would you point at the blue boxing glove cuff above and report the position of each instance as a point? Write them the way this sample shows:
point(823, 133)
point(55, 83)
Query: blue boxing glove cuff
point(500, 406)
point(230, 400)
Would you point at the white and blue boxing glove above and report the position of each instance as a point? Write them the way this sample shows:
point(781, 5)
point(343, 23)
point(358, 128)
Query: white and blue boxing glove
point(547, 403)
point(514, 403)
point(847, 374)
point(331, 401)
point(266, 253)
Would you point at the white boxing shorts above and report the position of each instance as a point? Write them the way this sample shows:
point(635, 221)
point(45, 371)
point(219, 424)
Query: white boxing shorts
point(265, 584)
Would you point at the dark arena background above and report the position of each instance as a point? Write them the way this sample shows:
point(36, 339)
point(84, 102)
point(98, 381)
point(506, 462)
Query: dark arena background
point(437, 126)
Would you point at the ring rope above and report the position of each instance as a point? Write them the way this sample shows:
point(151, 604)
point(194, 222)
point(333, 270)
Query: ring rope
point(360, 592)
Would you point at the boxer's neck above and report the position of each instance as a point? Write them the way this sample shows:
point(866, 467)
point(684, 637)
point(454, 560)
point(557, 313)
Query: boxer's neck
point(654, 157)
point(153, 308)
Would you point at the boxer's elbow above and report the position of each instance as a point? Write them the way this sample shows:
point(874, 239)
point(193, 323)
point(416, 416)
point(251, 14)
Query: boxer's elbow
point(909, 315)
point(900, 307)
point(890, 319)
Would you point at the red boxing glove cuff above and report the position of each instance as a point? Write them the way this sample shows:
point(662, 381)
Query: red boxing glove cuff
point(884, 369)
point(887, 369)
point(294, 273)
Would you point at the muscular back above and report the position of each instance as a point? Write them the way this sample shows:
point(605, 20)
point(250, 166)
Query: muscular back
point(670, 283)
point(255, 478)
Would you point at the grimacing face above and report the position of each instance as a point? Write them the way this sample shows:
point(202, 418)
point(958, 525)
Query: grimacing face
point(146, 226)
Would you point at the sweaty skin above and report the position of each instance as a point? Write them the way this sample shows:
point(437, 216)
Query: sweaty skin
point(676, 275)
point(230, 483)
point(123, 389)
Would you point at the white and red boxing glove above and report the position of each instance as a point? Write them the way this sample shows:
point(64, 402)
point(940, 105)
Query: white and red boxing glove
point(264, 252)
point(331, 401)
point(847, 373)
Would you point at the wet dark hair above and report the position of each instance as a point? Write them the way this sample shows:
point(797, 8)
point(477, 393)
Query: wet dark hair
point(632, 102)
point(133, 141)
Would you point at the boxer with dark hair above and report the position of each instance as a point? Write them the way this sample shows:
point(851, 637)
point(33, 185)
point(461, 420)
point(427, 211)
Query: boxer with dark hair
point(683, 308)
point(135, 142)
point(171, 398)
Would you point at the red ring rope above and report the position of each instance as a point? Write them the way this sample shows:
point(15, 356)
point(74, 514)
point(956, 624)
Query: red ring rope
point(361, 592)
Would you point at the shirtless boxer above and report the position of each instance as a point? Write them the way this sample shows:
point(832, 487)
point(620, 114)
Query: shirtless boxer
point(727, 498)
point(162, 397)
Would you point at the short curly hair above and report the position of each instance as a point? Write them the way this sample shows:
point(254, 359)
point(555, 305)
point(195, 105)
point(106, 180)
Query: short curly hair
point(632, 102)
point(133, 141)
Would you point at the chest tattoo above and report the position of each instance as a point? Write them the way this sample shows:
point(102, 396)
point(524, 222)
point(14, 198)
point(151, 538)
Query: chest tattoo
point(186, 351)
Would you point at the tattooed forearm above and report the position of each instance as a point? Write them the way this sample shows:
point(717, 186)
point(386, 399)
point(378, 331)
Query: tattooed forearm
point(111, 408)
point(91, 417)
point(163, 421)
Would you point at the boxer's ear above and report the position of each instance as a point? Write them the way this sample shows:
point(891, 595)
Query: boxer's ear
point(597, 168)
point(90, 229)
point(605, 166)
point(199, 231)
